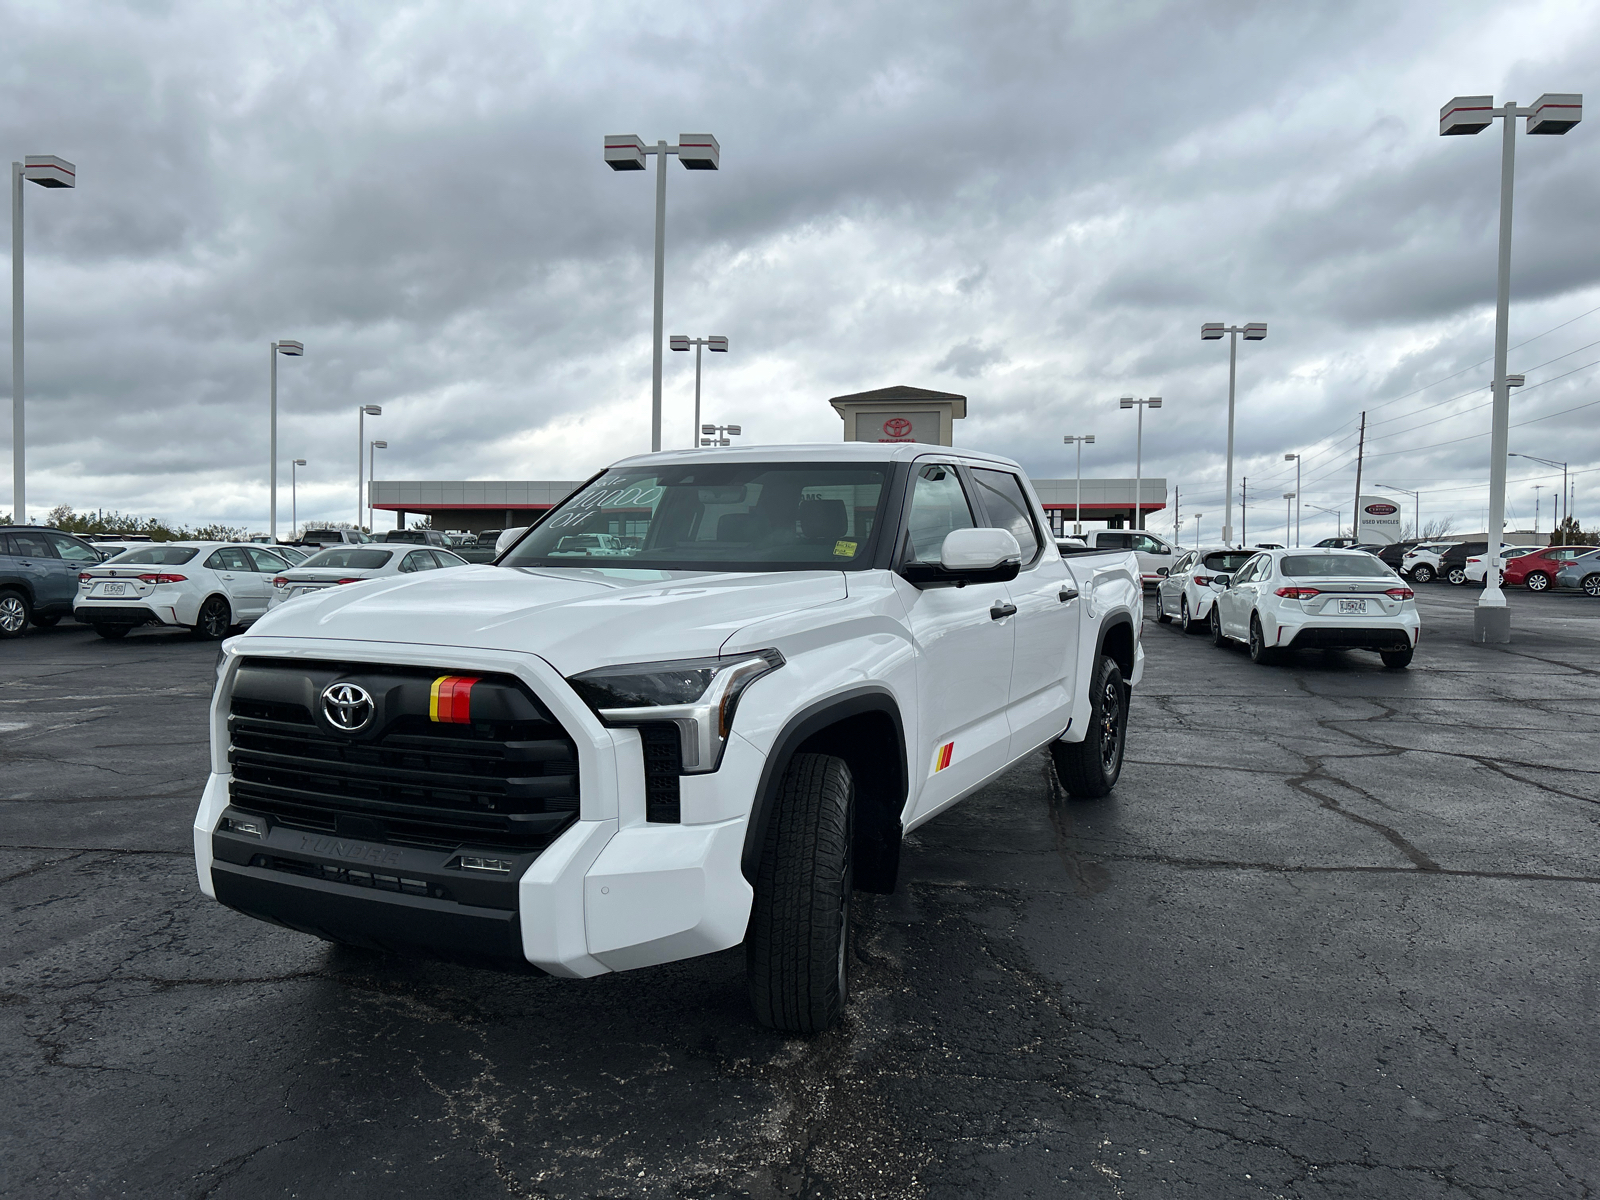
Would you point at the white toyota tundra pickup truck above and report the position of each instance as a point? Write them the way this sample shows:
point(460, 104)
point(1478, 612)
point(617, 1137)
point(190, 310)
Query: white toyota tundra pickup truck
point(707, 726)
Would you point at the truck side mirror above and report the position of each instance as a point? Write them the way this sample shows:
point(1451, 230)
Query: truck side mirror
point(969, 556)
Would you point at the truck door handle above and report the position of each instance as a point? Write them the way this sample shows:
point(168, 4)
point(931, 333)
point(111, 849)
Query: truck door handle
point(999, 611)
point(1068, 592)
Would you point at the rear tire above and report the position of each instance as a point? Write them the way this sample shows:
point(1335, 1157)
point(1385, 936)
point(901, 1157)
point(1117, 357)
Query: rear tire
point(1161, 610)
point(112, 632)
point(1261, 654)
point(45, 622)
point(15, 613)
point(1457, 575)
point(1422, 574)
point(1591, 585)
point(1396, 659)
point(797, 951)
point(1089, 769)
point(1538, 581)
point(213, 621)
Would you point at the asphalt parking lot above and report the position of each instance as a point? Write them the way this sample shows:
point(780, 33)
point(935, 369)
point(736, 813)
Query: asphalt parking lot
point(1331, 937)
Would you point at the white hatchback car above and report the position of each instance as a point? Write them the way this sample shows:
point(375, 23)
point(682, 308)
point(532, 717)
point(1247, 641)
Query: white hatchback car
point(1317, 599)
point(1421, 563)
point(209, 587)
point(1188, 590)
point(351, 564)
point(1478, 565)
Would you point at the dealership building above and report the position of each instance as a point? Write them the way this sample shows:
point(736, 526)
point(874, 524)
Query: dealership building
point(886, 415)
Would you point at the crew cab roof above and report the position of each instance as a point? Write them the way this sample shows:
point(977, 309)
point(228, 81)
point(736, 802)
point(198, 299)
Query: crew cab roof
point(864, 452)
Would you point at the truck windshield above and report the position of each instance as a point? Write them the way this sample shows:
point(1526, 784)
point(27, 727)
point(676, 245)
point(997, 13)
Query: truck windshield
point(716, 516)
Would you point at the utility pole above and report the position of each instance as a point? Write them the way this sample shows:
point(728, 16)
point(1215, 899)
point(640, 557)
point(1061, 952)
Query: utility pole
point(1361, 449)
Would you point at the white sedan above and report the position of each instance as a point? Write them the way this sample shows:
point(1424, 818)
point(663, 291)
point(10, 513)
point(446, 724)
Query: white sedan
point(1188, 590)
point(351, 564)
point(209, 587)
point(1317, 599)
point(1478, 565)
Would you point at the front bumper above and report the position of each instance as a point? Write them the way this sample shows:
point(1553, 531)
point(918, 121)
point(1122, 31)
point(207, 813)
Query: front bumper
point(612, 892)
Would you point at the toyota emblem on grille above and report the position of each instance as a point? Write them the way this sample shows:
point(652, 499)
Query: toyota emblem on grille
point(347, 706)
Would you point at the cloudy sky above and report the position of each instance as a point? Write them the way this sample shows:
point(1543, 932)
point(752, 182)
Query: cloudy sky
point(1035, 204)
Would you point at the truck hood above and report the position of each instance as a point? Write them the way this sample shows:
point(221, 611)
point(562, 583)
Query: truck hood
point(574, 618)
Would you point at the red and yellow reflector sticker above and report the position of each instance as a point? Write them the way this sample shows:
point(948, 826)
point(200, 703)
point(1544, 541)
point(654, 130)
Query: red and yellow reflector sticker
point(942, 759)
point(450, 699)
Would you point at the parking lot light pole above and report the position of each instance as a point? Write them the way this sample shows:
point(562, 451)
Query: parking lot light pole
point(363, 411)
point(47, 171)
point(1079, 439)
point(1552, 113)
point(294, 498)
point(1288, 518)
point(718, 435)
point(291, 349)
point(1138, 455)
point(1338, 516)
point(1550, 462)
point(1212, 331)
point(1295, 458)
point(714, 343)
point(372, 449)
point(1197, 517)
point(1416, 507)
point(626, 152)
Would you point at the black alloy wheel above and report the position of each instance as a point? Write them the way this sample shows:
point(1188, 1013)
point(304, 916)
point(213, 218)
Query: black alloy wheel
point(214, 619)
point(1218, 638)
point(1260, 653)
point(1184, 623)
point(15, 612)
point(1089, 769)
point(1591, 585)
point(1422, 573)
point(1538, 581)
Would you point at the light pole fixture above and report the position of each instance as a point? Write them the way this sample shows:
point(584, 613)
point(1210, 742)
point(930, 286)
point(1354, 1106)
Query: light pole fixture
point(1552, 113)
point(372, 449)
point(714, 343)
point(363, 411)
point(1197, 517)
point(1295, 459)
point(294, 498)
point(47, 171)
point(292, 349)
point(1212, 331)
point(1138, 455)
point(1550, 462)
point(1080, 439)
point(1338, 519)
point(1416, 506)
point(718, 435)
point(1288, 516)
point(626, 152)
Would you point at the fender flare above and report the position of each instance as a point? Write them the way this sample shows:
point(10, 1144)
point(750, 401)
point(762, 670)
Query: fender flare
point(803, 725)
point(1113, 621)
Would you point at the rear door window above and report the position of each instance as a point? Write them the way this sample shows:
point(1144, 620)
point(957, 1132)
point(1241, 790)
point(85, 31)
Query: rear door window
point(229, 559)
point(265, 562)
point(31, 545)
point(1008, 509)
point(71, 548)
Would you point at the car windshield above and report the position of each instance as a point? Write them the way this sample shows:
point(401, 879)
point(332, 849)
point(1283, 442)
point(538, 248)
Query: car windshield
point(349, 559)
point(154, 556)
point(1344, 566)
point(715, 516)
point(1228, 560)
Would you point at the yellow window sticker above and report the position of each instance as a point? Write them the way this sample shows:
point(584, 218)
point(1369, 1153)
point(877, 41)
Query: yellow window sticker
point(844, 549)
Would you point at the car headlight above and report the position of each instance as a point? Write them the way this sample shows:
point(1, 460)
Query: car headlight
point(698, 695)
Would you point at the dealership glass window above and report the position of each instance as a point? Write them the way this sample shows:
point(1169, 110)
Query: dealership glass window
point(1008, 508)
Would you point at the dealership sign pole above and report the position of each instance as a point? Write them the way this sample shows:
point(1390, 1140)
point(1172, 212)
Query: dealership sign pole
point(1552, 113)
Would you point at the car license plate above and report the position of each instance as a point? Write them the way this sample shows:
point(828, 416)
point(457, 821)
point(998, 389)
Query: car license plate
point(113, 589)
point(1352, 606)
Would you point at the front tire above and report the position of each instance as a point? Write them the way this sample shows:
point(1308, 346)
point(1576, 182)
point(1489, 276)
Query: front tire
point(1161, 609)
point(797, 951)
point(1538, 581)
point(1422, 574)
point(1591, 585)
point(1396, 659)
point(15, 613)
point(45, 622)
point(213, 621)
point(1218, 638)
point(1260, 653)
point(1089, 769)
point(1457, 576)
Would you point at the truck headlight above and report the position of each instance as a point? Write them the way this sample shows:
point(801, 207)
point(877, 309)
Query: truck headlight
point(698, 695)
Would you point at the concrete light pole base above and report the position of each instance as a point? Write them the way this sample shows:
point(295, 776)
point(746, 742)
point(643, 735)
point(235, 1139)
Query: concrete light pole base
point(1491, 626)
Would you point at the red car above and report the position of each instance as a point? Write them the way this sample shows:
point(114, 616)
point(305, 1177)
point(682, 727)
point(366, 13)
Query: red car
point(1537, 571)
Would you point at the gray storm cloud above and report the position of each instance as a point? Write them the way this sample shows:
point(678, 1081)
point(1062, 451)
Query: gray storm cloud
point(1034, 204)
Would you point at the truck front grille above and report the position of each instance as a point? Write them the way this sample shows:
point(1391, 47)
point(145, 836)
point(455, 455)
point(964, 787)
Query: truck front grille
point(508, 781)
